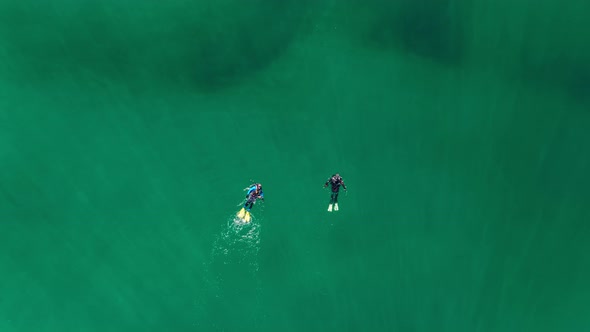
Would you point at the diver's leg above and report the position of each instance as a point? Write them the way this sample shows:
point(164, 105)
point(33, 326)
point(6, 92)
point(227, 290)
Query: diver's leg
point(335, 200)
point(249, 202)
point(331, 202)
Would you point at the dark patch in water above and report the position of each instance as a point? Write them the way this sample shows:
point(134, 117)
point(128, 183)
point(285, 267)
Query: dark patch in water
point(560, 72)
point(248, 44)
point(205, 47)
point(430, 29)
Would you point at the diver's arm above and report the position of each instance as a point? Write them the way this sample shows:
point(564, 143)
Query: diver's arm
point(250, 190)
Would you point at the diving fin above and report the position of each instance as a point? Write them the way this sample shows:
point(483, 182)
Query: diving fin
point(241, 213)
point(330, 208)
point(336, 207)
point(247, 217)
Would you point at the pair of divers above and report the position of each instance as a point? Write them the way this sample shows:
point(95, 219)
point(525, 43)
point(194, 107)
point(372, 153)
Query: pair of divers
point(254, 193)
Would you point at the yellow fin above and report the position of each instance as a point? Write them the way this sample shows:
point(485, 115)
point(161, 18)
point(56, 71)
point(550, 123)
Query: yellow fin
point(241, 213)
point(247, 217)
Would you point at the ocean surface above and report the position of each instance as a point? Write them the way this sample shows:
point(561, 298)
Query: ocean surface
point(128, 130)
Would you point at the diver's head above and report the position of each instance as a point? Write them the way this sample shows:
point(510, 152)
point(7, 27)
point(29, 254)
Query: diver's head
point(258, 186)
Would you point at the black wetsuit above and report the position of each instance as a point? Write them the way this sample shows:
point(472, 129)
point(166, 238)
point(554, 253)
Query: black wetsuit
point(252, 195)
point(335, 182)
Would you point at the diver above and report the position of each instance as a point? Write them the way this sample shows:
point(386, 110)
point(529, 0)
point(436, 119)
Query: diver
point(254, 193)
point(335, 181)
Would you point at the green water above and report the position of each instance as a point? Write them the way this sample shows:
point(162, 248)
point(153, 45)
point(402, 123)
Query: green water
point(129, 129)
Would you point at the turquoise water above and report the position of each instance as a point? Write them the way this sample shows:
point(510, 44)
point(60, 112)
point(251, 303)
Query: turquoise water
point(128, 131)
